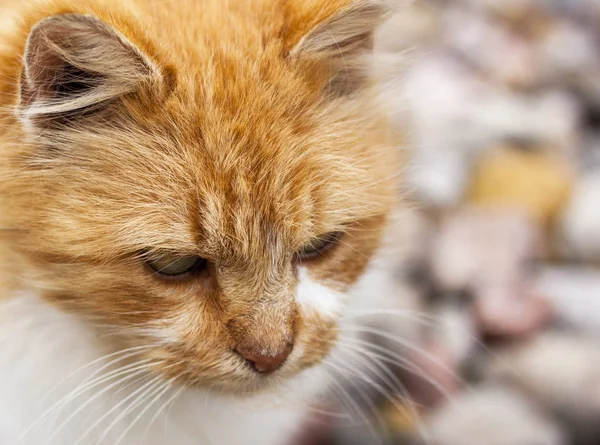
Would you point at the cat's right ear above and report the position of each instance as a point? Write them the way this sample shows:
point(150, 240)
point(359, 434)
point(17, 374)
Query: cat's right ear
point(338, 36)
point(77, 62)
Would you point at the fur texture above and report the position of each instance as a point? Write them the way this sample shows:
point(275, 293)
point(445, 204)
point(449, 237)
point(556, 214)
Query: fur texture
point(238, 132)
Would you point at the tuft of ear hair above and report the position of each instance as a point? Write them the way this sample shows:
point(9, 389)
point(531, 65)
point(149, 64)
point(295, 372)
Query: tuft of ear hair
point(74, 62)
point(343, 42)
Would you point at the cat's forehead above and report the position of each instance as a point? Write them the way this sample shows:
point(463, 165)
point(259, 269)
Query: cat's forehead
point(254, 194)
point(260, 171)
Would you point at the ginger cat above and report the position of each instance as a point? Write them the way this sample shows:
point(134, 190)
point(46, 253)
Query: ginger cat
point(193, 194)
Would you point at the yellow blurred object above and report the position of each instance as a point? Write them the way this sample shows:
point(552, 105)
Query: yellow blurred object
point(402, 418)
point(536, 182)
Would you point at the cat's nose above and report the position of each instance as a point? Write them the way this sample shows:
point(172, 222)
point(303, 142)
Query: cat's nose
point(264, 362)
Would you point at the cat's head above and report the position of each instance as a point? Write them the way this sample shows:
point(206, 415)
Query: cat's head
point(206, 194)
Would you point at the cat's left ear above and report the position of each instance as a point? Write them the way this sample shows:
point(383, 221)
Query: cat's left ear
point(76, 62)
point(341, 41)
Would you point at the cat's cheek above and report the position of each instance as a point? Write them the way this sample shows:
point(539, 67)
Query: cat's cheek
point(177, 327)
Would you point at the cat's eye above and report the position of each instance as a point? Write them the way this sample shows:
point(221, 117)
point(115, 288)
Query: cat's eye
point(172, 265)
point(319, 246)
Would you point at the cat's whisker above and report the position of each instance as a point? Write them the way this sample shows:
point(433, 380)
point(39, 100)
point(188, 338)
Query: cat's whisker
point(367, 396)
point(434, 322)
point(141, 373)
point(406, 344)
point(73, 394)
point(167, 404)
point(122, 355)
point(410, 314)
point(357, 372)
point(172, 403)
point(156, 395)
point(392, 380)
point(373, 409)
point(393, 358)
point(100, 380)
point(310, 408)
point(327, 413)
point(142, 390)
point(136, 366)
point(350, 404)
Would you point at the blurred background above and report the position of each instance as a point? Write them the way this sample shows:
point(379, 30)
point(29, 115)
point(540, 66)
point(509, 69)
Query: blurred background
point(500, 104)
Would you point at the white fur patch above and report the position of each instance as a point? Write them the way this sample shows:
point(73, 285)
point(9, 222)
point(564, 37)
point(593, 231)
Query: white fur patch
point(315, 296)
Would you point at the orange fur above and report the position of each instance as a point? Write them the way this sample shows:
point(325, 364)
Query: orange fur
point(234, 145)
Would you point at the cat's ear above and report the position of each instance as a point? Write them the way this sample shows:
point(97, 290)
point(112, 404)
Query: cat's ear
point(74, 62)
point(343, 41)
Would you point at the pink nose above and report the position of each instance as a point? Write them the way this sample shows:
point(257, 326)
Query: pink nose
point(263, 362)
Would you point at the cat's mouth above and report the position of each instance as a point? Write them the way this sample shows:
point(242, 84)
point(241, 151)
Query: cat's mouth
point(244, 381)
point(246, 366)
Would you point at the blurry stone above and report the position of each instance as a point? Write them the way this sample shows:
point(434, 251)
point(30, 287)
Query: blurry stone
point(580, 224)
point(441, 180)
point(536, 182)
point(582, 9)
point(589, 151)
point(500, 54)
point(505, 7)
point(478, 247)
point(455, 330)
point(551, 117)
point(432, 374)
point(567, 50)
point(574, 293)
point(438, 87)
point(493, 415)
point(560, 370)
point(589, 86)
point(435, 91)
point(511, 311)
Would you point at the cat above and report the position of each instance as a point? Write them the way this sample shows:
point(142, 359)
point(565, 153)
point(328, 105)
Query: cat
point(193, 195)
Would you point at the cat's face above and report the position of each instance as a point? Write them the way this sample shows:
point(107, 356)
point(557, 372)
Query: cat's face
point(217, 212)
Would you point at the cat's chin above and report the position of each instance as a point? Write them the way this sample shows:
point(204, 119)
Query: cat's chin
point(248, 383)
point(259, 386)
point(243, 386)
point(302, 385)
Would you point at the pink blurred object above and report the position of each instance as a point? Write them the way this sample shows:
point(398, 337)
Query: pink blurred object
point(506, 312)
